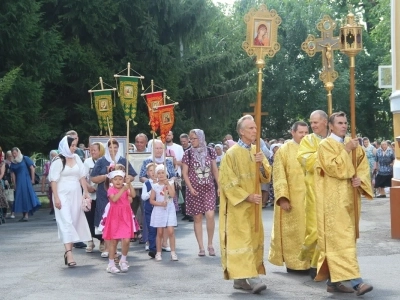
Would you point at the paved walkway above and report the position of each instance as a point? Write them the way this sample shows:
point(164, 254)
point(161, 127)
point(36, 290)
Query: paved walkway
point(32, 266)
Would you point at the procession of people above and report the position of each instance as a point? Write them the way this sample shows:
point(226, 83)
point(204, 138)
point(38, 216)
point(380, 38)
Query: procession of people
point(313, 185)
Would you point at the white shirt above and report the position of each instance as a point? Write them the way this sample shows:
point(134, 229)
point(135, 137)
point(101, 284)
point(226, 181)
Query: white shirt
point(336, 138)
point(178, 150)
point(89, 165)
point(145, 193)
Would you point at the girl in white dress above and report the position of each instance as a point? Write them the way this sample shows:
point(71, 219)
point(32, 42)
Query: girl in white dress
point(67, 176)
point(164, 213)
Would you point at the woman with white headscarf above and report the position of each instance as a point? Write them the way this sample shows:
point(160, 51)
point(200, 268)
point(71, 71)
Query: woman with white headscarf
point(156, 147)
point(200, 172)
point(99, 176)
point(67, 176)
point(23, 177)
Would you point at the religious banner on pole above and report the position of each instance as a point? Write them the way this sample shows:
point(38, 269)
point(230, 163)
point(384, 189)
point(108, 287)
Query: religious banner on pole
point(166, 119)
point(104, 109)
point(128, 92)
point(154, 100)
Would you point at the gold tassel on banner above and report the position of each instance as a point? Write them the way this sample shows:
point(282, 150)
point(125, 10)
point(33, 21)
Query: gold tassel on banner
point(91, 101)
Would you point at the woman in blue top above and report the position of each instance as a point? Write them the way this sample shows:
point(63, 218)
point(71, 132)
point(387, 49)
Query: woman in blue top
point(23, 177)
point(99, 175)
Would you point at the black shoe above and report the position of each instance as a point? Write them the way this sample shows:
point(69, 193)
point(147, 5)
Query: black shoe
point(313, 273)
point(190, 219)
point(51, 212)
point(152, 254)
point(381, 196)
point(185, 218)
point(298, 271)
point(80, 245)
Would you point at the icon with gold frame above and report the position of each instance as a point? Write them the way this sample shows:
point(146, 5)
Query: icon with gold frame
point(166, 118)
point(103, 104)
point(262, 32)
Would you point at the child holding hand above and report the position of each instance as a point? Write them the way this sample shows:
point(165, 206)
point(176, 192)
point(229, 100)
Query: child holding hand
point(119, 224)
point(164, 213)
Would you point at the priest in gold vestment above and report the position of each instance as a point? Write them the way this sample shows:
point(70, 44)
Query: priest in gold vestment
point(242, 248)
point(307, 156)
point(336, 179)
point(288, 229)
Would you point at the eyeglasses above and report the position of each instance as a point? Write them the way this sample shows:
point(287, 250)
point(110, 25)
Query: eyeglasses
point(191, 139)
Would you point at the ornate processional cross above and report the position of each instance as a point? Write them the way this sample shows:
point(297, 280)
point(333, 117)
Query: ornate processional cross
point(326, 44)
point(254, 112)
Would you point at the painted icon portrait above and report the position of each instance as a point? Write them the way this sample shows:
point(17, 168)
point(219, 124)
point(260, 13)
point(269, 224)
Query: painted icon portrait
point(103, 105)
point(166, 118)
point(262, 33)
point(128, 91)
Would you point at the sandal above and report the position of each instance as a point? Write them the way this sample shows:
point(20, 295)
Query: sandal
point(113, 269)
point(124, 266)
point(71, 263)
point(211, 251)
point(90, 247)
point(202, 252)
point(174, 257)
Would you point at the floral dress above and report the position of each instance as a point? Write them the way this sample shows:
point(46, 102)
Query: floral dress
point(202, 181)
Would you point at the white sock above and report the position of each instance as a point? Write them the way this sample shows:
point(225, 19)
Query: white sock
point(123, 257)
point(111, 262)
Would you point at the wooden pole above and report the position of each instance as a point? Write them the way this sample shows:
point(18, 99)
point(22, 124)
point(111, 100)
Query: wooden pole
point(257, 112)
point(353, 135)
point(101, 83)
point(127, 147)
point(111, 143)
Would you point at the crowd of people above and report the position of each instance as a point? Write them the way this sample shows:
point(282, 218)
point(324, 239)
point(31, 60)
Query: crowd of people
point(309, 180)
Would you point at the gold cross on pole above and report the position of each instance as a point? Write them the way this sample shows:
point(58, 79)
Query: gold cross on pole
point(326, 44)
point(254, 113)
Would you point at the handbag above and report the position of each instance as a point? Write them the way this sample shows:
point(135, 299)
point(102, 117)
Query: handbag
point(9, 194)
point(180, 198)
point(86, 204)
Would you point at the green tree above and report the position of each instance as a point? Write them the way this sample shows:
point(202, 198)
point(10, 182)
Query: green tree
point(32, 51)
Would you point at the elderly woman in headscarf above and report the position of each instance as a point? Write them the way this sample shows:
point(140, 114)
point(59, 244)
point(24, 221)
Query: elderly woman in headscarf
point(219, 150)
point(273, 149)
point(46, 170)
point(67, 179)
point(156, 147)
point(99, 176)
point(23, 177)
point(200, 172)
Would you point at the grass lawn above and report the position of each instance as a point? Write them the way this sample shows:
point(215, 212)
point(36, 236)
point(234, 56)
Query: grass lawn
point(45, 201)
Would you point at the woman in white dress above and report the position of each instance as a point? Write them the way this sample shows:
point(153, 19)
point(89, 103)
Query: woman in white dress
point(67, 176)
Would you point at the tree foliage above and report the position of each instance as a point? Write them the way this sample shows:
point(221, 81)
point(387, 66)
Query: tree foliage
point(52, 52)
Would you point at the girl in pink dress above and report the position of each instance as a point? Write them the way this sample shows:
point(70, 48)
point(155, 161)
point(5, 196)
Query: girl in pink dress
point(119, 222)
